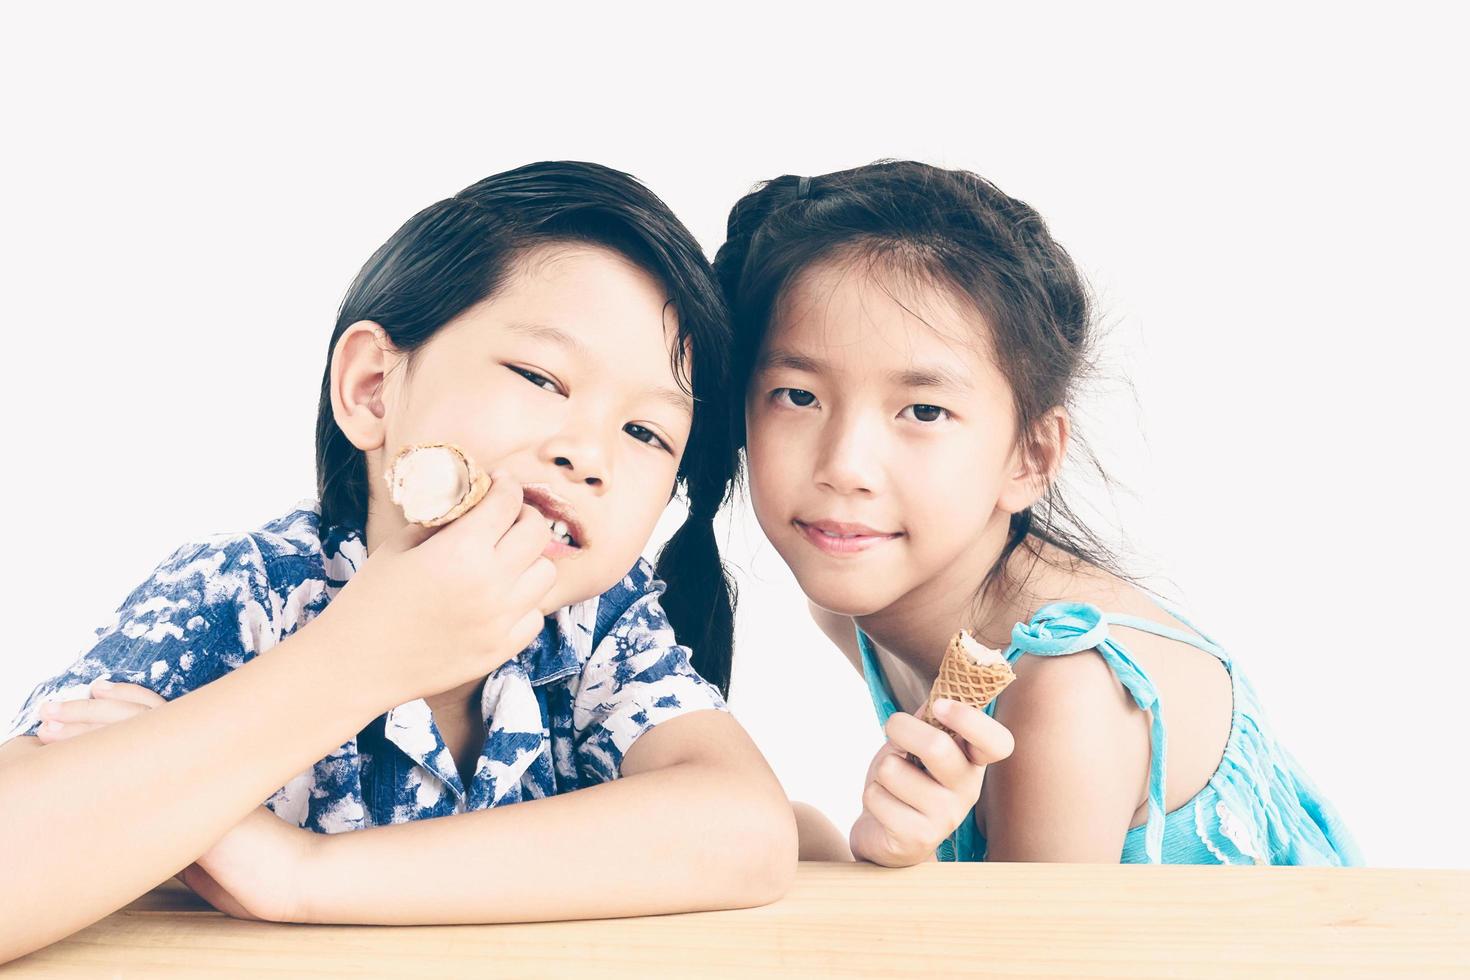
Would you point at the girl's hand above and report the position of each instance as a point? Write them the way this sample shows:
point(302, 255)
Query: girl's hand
point(908, 810)
point(256, 871)
point(433, 608)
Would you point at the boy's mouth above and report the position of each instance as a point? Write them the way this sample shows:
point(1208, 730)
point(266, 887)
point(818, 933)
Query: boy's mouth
point(566, 529)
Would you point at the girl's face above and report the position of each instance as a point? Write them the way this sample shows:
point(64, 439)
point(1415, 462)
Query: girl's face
point(564, 381)
point(880, 438)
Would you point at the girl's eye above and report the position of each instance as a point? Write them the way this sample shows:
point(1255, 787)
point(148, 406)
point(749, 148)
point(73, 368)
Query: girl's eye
point(794, 396)
point(925, 413)
point(646, 436)
point(539, 380)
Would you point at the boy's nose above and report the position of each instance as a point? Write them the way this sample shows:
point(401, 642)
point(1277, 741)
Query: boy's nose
point(579, 458)
point(579, 473)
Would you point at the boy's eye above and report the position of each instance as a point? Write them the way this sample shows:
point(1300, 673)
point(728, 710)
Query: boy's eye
point(925, 413)
point(794, 396)
point(646, 436)
point(539, 380)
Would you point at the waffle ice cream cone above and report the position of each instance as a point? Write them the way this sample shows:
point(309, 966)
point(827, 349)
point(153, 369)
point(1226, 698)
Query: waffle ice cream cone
point(434, 482)
point(969, 673)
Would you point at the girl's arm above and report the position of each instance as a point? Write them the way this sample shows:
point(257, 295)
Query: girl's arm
point(697, 821)
point(84, 831)
point(1078, 774)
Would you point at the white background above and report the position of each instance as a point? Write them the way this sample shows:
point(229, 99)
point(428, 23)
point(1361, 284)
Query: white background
point(1269, 202)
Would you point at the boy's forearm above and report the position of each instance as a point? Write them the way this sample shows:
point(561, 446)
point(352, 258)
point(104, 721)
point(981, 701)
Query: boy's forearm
point(92, 822)
point(689, 837)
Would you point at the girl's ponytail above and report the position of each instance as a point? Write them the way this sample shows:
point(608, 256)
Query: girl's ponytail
point(700, 596)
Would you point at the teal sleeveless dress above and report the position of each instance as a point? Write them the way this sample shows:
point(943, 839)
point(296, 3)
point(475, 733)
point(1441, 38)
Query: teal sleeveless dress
point(1258, 807)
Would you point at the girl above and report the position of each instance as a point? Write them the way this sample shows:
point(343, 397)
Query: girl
point(560, 324)
point(909, 338)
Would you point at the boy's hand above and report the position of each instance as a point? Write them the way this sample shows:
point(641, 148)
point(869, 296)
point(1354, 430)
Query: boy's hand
point(257, 870)
point(908, 810)
point(432, 608)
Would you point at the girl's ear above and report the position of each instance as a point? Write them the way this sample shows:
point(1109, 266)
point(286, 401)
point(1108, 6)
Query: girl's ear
point(361, 362)
point(1035, 462)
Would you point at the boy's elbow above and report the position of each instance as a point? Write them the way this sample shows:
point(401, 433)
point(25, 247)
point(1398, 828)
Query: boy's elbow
point(763, 849)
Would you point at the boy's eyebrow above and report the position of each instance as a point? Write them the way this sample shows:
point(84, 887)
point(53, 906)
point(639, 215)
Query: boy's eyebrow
point(542, 331)
point(673, 397)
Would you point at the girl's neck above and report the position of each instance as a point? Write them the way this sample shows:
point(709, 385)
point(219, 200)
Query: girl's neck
point(917, 626)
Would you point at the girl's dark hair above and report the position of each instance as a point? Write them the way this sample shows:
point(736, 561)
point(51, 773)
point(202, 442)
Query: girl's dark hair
point(458, 252)
point(958, 231)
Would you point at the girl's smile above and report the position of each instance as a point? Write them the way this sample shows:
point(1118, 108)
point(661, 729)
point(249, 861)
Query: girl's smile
point(838, 538)
point(880, 438)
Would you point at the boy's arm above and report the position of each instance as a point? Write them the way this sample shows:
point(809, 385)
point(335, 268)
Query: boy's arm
point(83, 832)
point(697, 821)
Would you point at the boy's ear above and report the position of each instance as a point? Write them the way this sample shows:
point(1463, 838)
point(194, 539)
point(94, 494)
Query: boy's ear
point(361, 362)
point(1035, 463)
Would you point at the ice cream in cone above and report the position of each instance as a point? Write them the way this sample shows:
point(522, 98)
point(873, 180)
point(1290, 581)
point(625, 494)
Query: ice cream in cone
point(970, 674)
point(434, 482)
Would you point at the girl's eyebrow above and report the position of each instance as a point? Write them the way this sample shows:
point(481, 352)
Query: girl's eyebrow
point(929, 376)
point(919, 376)
point(776, 357)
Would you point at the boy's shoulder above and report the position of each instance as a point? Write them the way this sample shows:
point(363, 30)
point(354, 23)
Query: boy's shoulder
point(635, 594)
point(280, 553)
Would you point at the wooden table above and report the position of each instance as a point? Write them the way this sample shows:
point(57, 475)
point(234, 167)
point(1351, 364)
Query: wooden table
point(858, 920)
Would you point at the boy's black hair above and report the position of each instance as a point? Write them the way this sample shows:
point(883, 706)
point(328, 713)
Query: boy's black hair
point(458, 252)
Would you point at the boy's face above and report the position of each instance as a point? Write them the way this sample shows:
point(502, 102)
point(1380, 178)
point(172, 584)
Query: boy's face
point(563, 380)
point(879, 435)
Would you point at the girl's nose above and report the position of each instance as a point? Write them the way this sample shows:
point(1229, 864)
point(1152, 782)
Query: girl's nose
point(846, 461)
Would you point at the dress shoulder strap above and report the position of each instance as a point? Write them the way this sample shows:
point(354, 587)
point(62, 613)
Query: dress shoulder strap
point(1064, 628)
point(878, 689)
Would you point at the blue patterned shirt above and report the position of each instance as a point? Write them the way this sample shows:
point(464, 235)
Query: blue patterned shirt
point(560, 716)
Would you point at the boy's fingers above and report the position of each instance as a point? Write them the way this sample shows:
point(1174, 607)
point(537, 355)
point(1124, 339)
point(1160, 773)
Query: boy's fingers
point(522, 543)
point(136, 693)
point(91, 711)
point(407, 538)
point(986, 740)
point(532, 585)
point(53, 731)
point(489, 519)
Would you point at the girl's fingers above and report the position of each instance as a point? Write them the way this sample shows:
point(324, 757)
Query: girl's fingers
point(911, 785)
point(939, 753)
point(136, 693)
point(986, 740)
point(901, 821)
